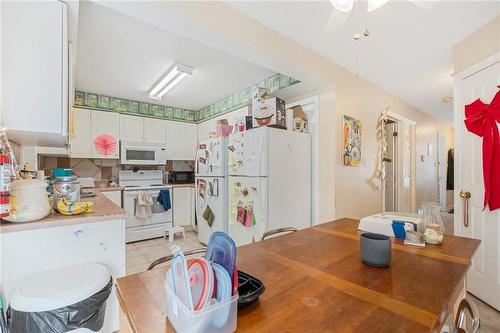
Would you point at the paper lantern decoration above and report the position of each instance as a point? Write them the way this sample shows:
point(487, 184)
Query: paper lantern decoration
point(105, 144)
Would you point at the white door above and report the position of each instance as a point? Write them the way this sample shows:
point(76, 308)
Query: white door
point(191, 141)
point(154, 130)
point(442, 155)
point(483, 279)
point(175, 133)
point(80, 141)
point(248, 152)
point(131, 128)
point(211, 207)
point(182, 206)
point(105, 123)
point(248, 209)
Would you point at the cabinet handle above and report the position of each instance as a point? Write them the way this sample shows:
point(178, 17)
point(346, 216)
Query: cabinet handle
point(466, 196)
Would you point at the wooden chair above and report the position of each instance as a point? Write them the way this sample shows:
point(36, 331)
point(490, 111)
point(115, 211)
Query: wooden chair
point(467, 315)
point(167, 259)
point(278, 231)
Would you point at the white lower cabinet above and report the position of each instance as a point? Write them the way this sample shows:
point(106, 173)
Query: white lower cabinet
point(184, 206)
point(24, 253)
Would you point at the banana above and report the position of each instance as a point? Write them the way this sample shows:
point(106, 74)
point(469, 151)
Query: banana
point(64, 206)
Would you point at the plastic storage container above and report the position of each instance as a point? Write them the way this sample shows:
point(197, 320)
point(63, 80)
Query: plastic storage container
point(201, 321)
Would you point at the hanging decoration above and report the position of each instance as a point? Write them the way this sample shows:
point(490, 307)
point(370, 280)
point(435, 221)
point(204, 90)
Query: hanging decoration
point(105, 144)
point(378, 173)
point(481, 119)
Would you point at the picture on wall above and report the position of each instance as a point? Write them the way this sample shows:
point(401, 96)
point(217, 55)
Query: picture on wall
point(351, 141)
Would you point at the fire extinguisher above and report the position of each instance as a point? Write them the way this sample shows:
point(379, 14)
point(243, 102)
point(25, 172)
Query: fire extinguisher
point(5, 175)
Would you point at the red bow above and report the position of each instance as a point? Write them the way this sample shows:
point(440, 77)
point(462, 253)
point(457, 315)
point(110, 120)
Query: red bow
point(481, 119)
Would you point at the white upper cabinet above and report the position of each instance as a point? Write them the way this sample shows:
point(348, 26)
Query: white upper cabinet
point(176, 140)
point(34, 70)
point(191, 141)
point(131, 128)
point(105, 123)
point(80, 141)
point(154, 130)
point(140, 129)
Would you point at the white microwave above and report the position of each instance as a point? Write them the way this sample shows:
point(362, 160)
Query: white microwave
point(138, 153)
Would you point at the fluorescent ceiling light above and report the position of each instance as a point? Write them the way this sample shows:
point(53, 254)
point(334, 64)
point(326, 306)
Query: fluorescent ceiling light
point(171, 79)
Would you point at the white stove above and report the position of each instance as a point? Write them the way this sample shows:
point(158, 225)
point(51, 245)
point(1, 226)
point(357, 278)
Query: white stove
point(151, 182)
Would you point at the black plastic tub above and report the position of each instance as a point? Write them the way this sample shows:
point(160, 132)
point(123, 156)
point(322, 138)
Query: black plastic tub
point(249, 289)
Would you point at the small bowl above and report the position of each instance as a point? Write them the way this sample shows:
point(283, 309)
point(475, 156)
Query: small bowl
point(264, 121)
point(375, 249)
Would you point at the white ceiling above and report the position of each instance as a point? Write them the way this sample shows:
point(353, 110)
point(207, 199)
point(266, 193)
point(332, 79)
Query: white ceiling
point(409, 49)
point(123, 57)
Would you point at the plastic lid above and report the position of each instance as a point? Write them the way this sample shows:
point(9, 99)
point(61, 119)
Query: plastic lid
point(27, 184)
point(201, 280)
point(222, 250)
point(60, 287)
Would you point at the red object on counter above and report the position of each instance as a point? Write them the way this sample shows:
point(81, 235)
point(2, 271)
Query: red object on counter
point(481, 119)
point(4, 185)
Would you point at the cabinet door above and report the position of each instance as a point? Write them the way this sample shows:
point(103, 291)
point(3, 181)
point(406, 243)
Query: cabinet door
point(154, 130)
point(191, 141)
point(175, 140)
point(131, 128)
point(192, 207)
point(105, 123)
point(80, 142)
point(34, 66)
point(182, 206)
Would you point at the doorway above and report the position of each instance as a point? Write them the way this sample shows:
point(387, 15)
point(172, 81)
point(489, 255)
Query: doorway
point(398, 165)
point(390, 159)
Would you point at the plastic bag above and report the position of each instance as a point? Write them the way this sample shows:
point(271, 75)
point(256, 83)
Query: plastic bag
point(88, 313)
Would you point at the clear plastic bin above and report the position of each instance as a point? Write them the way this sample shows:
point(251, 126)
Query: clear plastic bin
point(215, 318)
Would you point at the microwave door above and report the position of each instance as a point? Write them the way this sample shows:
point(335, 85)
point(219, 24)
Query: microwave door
point(140, 156)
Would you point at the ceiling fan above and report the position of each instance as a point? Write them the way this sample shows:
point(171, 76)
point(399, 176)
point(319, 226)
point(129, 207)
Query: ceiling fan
point(346, 6)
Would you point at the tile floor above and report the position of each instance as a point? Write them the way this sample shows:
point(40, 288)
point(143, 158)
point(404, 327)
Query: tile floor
point(490, 318)
point(141, 254)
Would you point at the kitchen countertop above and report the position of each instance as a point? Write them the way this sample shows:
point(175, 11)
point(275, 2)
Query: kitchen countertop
point(104, 210)
point(315, 281)
point(104, 189)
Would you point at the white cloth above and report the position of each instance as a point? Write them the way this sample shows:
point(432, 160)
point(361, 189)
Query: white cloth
point(144, 205)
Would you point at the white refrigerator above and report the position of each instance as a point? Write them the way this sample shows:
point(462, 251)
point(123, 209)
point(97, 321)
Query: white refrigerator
point(211, 187)
point(269, 182)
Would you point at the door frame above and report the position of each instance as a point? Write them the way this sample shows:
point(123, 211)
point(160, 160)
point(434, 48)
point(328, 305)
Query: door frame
point(457, 124)
point(314, 133)
point(401, 119)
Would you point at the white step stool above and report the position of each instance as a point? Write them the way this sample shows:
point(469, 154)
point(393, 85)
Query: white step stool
point(170, 232)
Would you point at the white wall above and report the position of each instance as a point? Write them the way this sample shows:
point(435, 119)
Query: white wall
point(208, 126)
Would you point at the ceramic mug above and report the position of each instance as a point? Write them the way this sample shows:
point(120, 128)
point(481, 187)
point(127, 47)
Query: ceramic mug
point(375, 249)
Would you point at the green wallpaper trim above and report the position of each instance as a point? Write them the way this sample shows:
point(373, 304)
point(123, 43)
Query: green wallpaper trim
point(114, 104)
point(243, 97)
point(227, 104)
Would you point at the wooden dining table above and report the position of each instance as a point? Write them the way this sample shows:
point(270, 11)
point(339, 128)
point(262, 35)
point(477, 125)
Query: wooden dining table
point(316, 282)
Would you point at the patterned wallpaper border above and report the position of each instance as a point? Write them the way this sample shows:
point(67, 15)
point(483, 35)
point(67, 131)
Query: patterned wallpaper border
point(236, 100)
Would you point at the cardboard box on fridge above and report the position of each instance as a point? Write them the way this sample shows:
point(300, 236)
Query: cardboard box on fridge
point(299, 120)
point(269, 112)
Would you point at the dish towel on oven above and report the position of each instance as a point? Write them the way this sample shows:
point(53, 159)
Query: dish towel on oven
point(164, 199)
point(144, 205)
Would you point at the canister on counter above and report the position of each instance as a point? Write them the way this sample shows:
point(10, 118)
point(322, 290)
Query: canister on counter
point(68, 186)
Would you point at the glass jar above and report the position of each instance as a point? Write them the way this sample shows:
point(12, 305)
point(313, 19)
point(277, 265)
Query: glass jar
point(433, 223)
